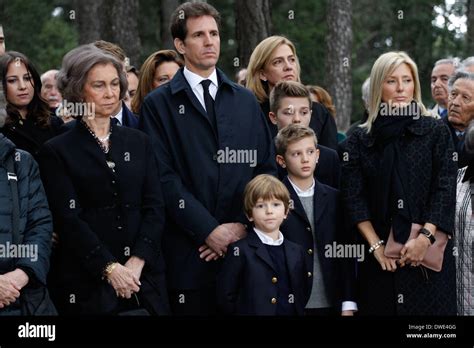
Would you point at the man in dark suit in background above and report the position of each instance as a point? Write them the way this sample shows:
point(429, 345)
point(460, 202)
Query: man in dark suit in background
point(460, 112)
point(210, 138)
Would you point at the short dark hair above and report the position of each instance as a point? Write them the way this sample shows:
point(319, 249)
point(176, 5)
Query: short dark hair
point(285, 89)
point(184, 11)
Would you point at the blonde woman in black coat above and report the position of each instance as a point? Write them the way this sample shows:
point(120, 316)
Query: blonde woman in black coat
point(400, 170)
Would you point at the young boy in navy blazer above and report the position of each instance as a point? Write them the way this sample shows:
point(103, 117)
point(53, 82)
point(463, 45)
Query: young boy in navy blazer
point(264, 273)
point(314, 222)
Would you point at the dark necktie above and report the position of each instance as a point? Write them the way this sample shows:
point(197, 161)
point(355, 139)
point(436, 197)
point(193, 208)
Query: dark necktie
point(444, 113)
point(209, 102)
point(115, 121)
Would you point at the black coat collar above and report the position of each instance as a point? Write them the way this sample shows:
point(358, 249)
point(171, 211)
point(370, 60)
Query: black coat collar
point(420, 127)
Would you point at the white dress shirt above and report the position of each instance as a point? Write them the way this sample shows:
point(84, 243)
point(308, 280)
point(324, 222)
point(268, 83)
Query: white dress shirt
point(194, 81)
point(118, 117)
point(268, 240)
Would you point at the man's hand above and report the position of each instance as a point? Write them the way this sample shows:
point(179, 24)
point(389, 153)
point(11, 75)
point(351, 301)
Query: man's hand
point(238, 230)
point(219, 239)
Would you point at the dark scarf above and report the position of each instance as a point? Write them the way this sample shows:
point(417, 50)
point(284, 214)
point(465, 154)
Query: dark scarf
point(389, 194)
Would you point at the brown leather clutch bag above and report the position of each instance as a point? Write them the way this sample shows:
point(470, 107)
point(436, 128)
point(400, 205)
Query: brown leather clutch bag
point(434, 256)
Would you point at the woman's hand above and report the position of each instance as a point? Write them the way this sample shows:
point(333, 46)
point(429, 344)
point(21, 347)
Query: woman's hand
point(414, 251)
point(135, 264)
point(387, 263)
point(9, 292)
point(124, 281)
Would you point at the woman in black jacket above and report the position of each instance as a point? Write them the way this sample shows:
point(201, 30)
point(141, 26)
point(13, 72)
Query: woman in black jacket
point(107, 207)
point(29, 123)
point(273, 60)
point(24, 260)
point(400, 170)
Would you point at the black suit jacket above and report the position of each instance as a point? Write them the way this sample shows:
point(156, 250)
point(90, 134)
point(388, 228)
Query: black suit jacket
point(338, 273)
point(202, 186)
point(129, 119)
point(103, 216)
point(244, 285)
point(464, 158)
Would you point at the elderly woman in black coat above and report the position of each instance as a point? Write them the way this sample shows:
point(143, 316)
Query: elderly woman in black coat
point(107, 207)
point(400, 170)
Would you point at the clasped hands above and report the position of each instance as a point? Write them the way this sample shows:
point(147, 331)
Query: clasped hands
point(10, 285)
point(412, 254)
point(125, 279)
point(219, 239)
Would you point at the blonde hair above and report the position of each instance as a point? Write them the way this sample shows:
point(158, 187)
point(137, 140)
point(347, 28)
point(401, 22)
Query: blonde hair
point(265, 187)
point(383, 67)
point(147, 74)
point(291, 134)
point(258, 60)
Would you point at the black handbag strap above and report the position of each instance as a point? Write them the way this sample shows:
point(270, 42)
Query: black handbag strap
point(13, 181)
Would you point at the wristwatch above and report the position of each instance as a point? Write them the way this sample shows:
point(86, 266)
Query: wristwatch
point(428, 235)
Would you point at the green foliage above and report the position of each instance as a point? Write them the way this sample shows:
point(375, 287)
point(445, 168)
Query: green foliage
point(304, 23)
point(30, 28)
point(58, 38)
point(378, 27)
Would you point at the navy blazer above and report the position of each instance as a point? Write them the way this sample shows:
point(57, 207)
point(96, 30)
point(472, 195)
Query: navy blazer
point(129, 119)
point(338, 274)
point(328, 169)
point(202, 185)
point(246, 284)
point(464, 158)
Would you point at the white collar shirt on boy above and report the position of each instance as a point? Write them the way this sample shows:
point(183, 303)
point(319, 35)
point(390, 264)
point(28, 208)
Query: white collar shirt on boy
point(267, 240)
point(306, 193)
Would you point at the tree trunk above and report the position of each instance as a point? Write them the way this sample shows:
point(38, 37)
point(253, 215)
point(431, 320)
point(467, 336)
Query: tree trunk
point(167, 9)
point(470, 29)
point(253, 24)
point(121, 27)
point(87, 19)
point(338, 59)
